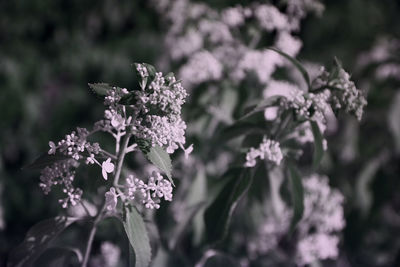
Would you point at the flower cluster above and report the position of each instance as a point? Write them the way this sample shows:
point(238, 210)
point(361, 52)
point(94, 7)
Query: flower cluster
point(309, 106)
point(150, 193)
point(268, 149)
point(61, 173)
point(115, 119)
point(344, 94)
point(152, 114)
point(158, 110)
point(316, 232)
point(72, 150)
point(323, 216)
point(213, 43)
point(75, 145)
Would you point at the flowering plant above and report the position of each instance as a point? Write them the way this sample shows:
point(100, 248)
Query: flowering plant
point(146, 120)
point(256, 112)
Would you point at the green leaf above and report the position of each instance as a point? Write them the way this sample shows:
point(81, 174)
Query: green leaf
point(296, 63)
point(128, 99)
point(271, 101)
point(239, 129)
point(151, 70)
point(297, 191)
point(45, 160)
point(161, 159)
point(168, 75)
point(100, 89)
point(137, 234)
point(318, 146)
point(218, 215)
point(59, 256)
point(180, 229)
point(37, 240)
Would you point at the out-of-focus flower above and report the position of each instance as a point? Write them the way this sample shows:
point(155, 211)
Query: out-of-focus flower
point(110, 253)
point(268, 149)
point(187, 151)
point(111, 199)
point(107, 167)
point(318, 246)
point(201, 67)
point(53, 148)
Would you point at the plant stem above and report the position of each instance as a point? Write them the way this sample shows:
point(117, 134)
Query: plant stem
point(100, 214)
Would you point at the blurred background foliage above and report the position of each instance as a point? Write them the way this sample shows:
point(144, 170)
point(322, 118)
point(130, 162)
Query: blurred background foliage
point(50, 50)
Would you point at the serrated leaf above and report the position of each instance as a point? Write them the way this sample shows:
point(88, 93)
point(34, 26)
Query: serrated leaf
point(218, 215)
point(297, 191)
point(100, 89)
point(136, 231)
point(151, 71)
point(318, 146)
point(161, 159)
point(296, 63)
point(37, 240)
point(45, 160)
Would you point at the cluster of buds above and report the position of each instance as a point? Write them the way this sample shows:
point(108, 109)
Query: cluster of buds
point(268, 149)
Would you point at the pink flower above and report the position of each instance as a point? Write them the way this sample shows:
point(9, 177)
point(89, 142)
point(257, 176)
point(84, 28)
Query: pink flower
point(107, 167)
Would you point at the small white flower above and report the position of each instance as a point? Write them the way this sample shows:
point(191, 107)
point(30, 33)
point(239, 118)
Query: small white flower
point(52, 148)
point(107, 167)
point(111, 199)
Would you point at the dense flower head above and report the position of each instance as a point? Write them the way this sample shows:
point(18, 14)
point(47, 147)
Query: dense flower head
point(150, 193)
point(158, 108)
point(344, 94)
point(268, 149)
